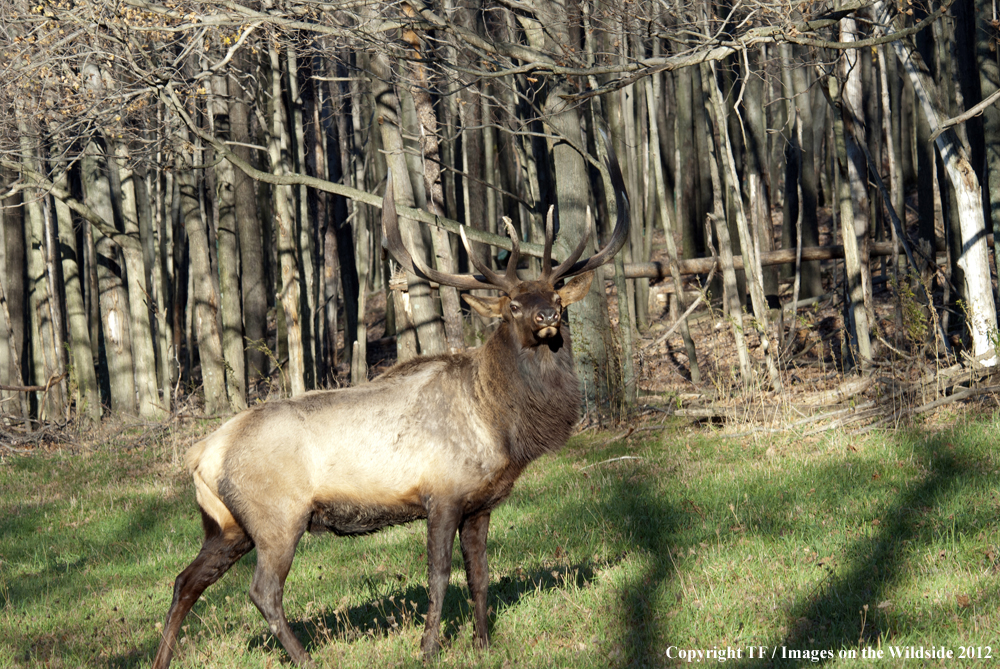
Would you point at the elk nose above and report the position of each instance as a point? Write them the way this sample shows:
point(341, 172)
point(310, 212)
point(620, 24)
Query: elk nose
point(547, 316)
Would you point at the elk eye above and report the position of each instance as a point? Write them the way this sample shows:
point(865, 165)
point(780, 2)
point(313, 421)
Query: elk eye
point(514, 308)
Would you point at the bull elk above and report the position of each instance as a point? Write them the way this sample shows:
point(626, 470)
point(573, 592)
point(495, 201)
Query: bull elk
point(441, 437)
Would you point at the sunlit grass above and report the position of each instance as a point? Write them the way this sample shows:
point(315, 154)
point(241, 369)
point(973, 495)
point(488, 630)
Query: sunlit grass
point(608, 554)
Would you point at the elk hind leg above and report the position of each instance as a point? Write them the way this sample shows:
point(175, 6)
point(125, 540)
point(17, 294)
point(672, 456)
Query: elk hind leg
point(220, 551)
point(472, 534)
point(441, 526)
point(274, 560)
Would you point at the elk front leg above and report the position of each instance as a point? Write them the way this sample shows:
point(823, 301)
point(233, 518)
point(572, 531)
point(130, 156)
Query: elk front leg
point(274, 560)
point(472, 534)
point(442, 522)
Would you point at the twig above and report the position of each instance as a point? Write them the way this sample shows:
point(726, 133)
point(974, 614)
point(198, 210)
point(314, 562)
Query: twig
point(929, 406)
point(14, 450)
point(799, 423)
point(54, 431)
point(604, 462)
point(623, 435)
point(701, 296)
point(861, 412)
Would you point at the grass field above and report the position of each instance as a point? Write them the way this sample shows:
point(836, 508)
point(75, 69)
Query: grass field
point(610, 554)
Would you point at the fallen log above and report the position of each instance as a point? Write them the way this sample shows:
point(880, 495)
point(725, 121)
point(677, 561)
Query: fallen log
point(31, 389)
point(660, 270)
point(657, 271)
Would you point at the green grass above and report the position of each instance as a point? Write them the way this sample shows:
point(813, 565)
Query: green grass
point(694, 541)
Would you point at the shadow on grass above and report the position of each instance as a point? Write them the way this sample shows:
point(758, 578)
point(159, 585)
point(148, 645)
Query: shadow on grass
point(651, 523)
point(852, 609)
point(398, 610)
point(66, 576)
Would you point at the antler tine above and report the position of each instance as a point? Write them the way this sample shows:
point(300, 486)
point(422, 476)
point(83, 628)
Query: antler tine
point(565, 266)
point(620, 233)
point(515, 252)
point(395, 246)
point(496, 281)
point(549, 236)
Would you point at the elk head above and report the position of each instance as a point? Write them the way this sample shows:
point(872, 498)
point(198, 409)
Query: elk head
point(532, 308)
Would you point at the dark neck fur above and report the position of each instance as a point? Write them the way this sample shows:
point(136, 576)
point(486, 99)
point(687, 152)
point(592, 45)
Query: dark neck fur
point(531, 395)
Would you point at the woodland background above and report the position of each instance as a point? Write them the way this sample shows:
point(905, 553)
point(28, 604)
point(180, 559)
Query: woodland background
point(190, 190)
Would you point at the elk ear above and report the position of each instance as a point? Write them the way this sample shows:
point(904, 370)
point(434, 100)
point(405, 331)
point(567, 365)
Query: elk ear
point(576, 288)
point(487, 307)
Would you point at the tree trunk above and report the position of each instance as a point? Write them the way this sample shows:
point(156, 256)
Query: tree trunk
point(974, 261)
point(857, 170)
point(328, 166)
point(206, 301)
point(593, 349)
point(452, 311)
point(812, 279)
point(788, 132)
point(253, 278)
point(306, 244)
point(890, 129)
point(678, 301)
point(88, 403)
point(599, 370)
point(362, 241)
point(113, 298)
point(229, 269)
point(857, 323)
point(988, 61)
point(415, 311)
point(734, 306)
point(13, 344)
point(46, 352)
point(166, 346)
point(143, 356)
point(637, 132)
point(757, 168)
point(751, 257)
point(278, 148)
point(617, 111)
point(152, 214)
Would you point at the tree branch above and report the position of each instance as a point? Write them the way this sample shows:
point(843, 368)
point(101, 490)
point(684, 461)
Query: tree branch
point(965, 116)
point(105, 228)
point(170, 97)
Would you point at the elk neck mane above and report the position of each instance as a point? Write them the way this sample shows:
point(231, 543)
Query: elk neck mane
point(530, 395)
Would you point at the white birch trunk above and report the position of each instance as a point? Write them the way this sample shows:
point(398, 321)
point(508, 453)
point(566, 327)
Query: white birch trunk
point(974, 260)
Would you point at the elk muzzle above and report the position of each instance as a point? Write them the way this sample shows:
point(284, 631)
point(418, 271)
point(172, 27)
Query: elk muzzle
point(546, 322)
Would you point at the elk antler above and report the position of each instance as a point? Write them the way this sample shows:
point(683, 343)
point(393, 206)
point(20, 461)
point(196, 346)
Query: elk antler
point(570, 266)
point(509, 280)
point(395, 246)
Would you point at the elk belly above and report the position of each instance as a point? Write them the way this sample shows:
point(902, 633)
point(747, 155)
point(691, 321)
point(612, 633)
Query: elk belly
point(355, 516)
